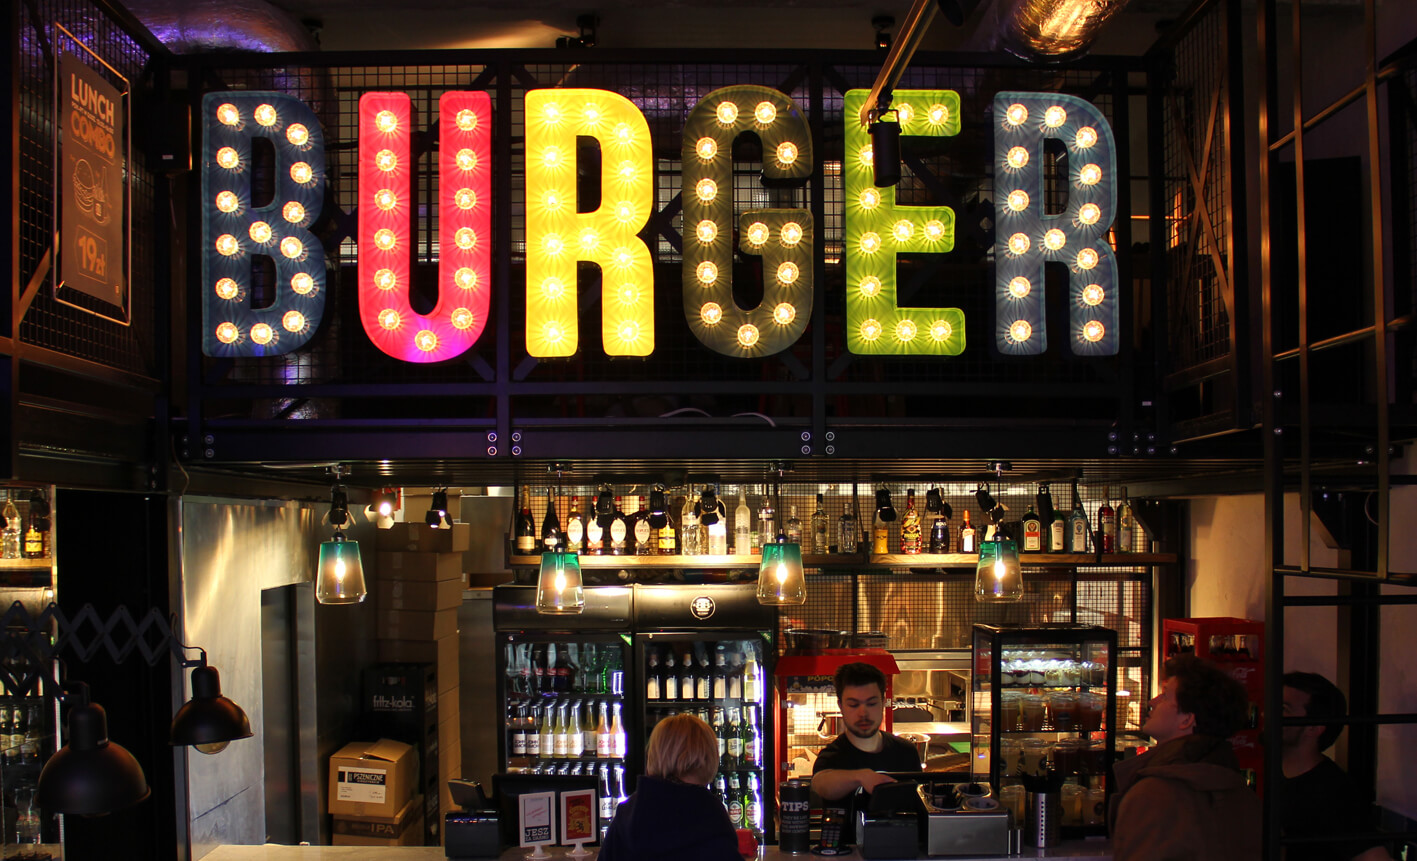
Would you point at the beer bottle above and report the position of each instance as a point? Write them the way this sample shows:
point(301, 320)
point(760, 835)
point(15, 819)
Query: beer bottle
point(735, 800)
point(734, 732)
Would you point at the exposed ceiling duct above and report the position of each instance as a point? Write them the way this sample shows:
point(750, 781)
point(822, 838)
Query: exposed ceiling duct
point(188, 27)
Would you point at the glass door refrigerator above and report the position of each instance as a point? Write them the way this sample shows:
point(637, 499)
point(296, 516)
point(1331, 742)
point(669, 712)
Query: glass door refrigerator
point(561, 685)
point(710, 650)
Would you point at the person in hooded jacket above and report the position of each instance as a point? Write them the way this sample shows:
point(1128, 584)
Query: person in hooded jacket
point(672, 814)
point(1186, 798)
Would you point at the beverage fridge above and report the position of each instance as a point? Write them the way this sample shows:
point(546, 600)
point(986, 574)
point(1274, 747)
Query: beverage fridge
point(710, 650)
point(561, 686)
point(580, 694)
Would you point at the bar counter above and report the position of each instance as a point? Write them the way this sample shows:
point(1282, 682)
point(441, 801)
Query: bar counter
point(1073, 850)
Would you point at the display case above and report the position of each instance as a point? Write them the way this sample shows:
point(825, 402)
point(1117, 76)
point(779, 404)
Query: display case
point(1045, 701)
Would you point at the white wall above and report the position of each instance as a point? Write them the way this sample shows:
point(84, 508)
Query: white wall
point(1225, 577)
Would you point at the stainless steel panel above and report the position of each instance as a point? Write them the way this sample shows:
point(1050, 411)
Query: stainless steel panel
point(478, 687)
point(607, 608)
point(490, 518)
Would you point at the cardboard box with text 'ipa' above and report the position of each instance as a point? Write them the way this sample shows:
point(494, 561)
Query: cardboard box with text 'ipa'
point(404, 829)
point(372, 778)
point(425, 539)
point(421, 567)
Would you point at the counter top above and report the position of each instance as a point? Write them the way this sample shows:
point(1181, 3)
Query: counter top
point(1073, 850)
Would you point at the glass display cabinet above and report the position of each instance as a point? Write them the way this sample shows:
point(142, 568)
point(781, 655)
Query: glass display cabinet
point(1045, 702)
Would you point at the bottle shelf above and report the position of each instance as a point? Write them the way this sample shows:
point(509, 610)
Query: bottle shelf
point(26, 564)
point(858, 561)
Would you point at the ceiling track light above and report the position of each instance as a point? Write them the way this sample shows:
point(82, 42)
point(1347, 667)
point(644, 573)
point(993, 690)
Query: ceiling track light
point(438, 516)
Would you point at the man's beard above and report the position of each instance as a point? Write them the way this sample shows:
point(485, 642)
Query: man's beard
point(851, 728)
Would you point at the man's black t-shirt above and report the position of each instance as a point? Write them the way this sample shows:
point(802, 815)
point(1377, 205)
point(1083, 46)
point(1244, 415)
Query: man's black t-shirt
point(1322, 801)
point(895, 754)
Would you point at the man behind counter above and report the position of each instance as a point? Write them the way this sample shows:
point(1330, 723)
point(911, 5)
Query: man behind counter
point(854, 759)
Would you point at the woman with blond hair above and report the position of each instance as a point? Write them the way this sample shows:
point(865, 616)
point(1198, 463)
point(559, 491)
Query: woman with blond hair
point(672, 814)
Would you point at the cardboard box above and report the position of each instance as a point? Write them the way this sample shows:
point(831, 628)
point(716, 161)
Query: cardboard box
point(417, 624)
point(419, 594)
point(423, 538)
point(420, 566)
point(488, 579)
point(372, 778)
point(449, 749)
point(399, 701)
point(442, 653)
point(405, 829)
point(449, 703)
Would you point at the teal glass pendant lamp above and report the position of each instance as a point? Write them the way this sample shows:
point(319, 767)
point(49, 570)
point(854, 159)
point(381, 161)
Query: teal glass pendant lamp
point(998, 576)
point(780, 578)
point(559, 590)
point(340, 579)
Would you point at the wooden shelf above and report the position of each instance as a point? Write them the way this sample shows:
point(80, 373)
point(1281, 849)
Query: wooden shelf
point(842, 561)
point(26, 564)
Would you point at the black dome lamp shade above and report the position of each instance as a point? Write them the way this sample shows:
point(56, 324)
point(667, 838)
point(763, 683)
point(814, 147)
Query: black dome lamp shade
point(90, 776)
point(208, 721)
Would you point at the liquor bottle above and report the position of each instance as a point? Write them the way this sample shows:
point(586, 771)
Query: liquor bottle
point(653, 680)
point(589, 730)
point(36, 544)
point(940, 535)
point(1077, 525)
point(735, 800)
point(619, 741)
point(753, 804)
point(606, 795)
point(670, 688)
point(819, 526)
point(793, 527)
point(594, 534)
point(1032, 532)
point(548, 730)
point(526, 527)
point(519, 722)
point(742, 525)
point(575, 528)
point(752, 678)
point(719, 688)
point(686, 677)
point(880, 536)
point(12, 528)
point(703, 679)
point(720, 789)
point(1107, 525)
point(533, 731)
point(604, 744)
point(910, 525)
point(668, 535)
point(1126, 525)
point(575, 732)
point(848, 537)
point(767, 531)
point(966, 535)
point(561, 733)
point(640, 524)
point(752, 739)
point(735, 677)
point(1058, 533)
point(720, 732)
point(689, 527)
point(735, 738)
point(619, 531)
point(551, 524)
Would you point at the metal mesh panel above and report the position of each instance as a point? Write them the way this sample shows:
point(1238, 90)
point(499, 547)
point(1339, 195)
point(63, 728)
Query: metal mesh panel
point(665, 93)
point(1199, 320)
point(49, 323)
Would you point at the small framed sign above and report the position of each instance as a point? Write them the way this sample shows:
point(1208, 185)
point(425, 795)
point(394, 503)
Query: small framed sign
point(578, 815)
point(536, 818)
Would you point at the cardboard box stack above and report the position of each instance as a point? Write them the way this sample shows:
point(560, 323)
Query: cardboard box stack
point(419, 590)
point(373, 795)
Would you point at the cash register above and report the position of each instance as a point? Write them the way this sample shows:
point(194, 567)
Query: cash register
point(924, 813)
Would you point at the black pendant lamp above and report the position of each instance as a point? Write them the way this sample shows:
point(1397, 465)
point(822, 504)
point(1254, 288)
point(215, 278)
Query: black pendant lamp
point(90, 776)
point(208, 721)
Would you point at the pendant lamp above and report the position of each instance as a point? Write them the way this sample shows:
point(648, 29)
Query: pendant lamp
point(780, 578)
point(998, 577)
point(208, 721)
point(341, 576)
point(559, 590)
point(90, 775)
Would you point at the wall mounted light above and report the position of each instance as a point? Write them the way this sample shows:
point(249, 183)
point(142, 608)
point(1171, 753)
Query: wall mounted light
point(885, 152)
point(90, 775)
point(208, 721)
point(382, 505)
point(658, 507)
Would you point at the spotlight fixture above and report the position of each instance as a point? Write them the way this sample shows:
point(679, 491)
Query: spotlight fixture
point(658, 507)
point(881, 24)
point(605, 507)
point(338, 516)
point(709, 507)
point(985, 499)
point(885, 148)
point(884, 510)
point(437, 516)
point(586, 24)
point(934, 500)
point(382, 505)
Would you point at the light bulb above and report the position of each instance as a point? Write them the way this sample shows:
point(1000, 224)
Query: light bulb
point(302, 172)
point(765, 113)
point(1018, 200)
point(726, 112)
point(757, 233)
point(939, 114)
point(1090, 174)
point(228, 115)
point(707, 148)
point(1054, 117)
point(228, 158)
point(302, 283)
point(466, 159)
point(1020, 287)
point(1093, 294)
point(260, 231)
point(786, 152)
point(1086, 137)
point(297, 134)
point(386, 121)
point(1016, 114)
point(1017, 157)
point(790, 234)
point(385, 160)
point(211, 747)
point(466, 120)
point(870, 286)
point(1019, 243)
point(870, 242)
